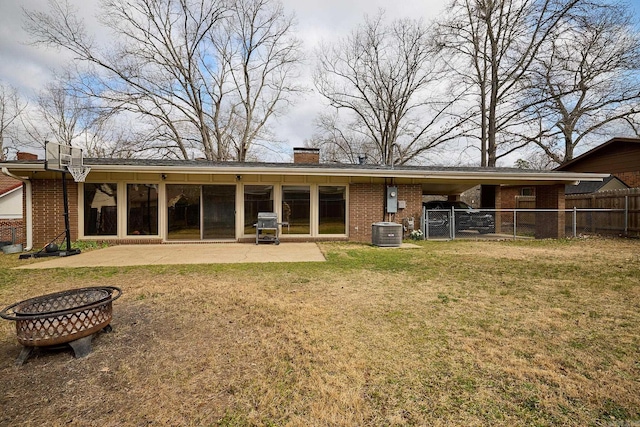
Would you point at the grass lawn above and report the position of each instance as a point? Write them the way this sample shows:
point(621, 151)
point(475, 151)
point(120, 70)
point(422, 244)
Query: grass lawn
point(462, 333)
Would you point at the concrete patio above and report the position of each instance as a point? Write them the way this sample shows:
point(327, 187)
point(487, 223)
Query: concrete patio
point(214, 253)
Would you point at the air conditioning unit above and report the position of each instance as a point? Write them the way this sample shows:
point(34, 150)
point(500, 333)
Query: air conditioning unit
point(386, 234)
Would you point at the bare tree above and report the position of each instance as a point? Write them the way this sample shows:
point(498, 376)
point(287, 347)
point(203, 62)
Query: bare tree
point(383, 82)
point(494, 44)
point(587, 78)
point(64, 115)
point(262, 58)
point(337, 143)
point(11, 107)
point(116, 136)
point(536, 160)
point(60, 115)
point(192, 69)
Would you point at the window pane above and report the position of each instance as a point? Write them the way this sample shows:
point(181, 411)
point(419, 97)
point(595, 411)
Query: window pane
point(257, 198)
point(100, 209)
point(332, 215)
point(296, 202)
point(142, 209)
point(183, 212)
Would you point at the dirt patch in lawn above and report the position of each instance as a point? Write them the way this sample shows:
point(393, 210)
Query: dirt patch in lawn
point(454, 333)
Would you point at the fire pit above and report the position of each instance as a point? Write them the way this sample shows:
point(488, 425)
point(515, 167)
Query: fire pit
point(70, 317)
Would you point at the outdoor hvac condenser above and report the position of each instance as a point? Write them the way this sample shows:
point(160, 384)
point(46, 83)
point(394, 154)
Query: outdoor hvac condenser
point(386, 234)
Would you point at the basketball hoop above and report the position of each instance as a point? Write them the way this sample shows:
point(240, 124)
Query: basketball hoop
point(78, 172)
point(64, 158)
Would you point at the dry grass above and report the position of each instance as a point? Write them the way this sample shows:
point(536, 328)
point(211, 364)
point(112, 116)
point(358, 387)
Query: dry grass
point(453, 333)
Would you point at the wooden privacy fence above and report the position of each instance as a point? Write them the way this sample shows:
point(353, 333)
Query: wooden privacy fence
point(605, 212)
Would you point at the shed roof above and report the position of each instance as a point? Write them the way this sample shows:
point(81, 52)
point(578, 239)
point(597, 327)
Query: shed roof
point(587, 187)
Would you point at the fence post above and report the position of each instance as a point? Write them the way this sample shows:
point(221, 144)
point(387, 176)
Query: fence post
point(452, 224)
point(514, 224)
point(425, 223)
point(575, 221)
point(626, 215)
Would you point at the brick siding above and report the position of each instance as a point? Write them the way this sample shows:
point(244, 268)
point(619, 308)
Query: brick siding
point(6, 230)
point(366, 206)
point(632, 179)
point(48, 210)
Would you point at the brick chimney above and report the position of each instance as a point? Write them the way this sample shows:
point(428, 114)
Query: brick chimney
point(21, 155)
point(306, 155)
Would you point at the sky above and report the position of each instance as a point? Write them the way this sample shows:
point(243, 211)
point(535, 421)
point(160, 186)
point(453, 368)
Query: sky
point(30, 68)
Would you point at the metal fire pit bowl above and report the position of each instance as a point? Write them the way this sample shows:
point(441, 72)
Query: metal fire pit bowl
point(69, 317)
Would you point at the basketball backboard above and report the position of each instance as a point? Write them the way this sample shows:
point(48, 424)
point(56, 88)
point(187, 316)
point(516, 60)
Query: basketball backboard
point(59, 156)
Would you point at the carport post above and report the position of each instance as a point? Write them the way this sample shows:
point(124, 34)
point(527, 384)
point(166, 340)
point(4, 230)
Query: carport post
point(550, 215)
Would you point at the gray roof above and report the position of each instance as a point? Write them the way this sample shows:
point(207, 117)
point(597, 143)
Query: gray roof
point(169, 163)
point(586, 187)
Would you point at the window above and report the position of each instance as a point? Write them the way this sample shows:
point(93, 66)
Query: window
point(183, 212)
point(100, 209)
point(332, 210)
point(296, 202)
point(142, 209)
point(527, 191)
point(257, 198)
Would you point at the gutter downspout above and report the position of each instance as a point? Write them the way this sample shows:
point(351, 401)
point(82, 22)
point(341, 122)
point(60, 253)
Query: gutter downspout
point(28, 206)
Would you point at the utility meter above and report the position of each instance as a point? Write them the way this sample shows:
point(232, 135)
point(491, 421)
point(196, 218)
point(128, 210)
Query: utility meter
point(392, 199)
point(409, 223)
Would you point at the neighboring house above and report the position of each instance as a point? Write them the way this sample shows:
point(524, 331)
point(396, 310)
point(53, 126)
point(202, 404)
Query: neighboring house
point(166, 201)
point(11, 225)
point(619, 157)
point(10, 198)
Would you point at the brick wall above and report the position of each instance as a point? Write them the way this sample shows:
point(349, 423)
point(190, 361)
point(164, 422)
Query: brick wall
point(366, 206)
point(6, 230)
point(412, 194)
point(632, 179)
point(48, 210)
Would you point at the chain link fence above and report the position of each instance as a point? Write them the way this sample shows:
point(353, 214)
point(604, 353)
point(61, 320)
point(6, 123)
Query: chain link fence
point(12, 232)
point(524, 223)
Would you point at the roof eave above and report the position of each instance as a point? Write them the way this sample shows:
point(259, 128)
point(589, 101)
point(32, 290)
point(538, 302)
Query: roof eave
point(568, 177)
point(481, 175)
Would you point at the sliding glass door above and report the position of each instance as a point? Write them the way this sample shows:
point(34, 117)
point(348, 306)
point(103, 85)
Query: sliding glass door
point(197, 212)
point(219, 211)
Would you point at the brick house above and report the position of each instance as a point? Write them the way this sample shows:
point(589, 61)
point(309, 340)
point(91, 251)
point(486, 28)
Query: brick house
point(11, 225)
point(165, 201)
point(619, 158)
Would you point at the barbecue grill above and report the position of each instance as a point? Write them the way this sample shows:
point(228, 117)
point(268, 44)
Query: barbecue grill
point(268, 227)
